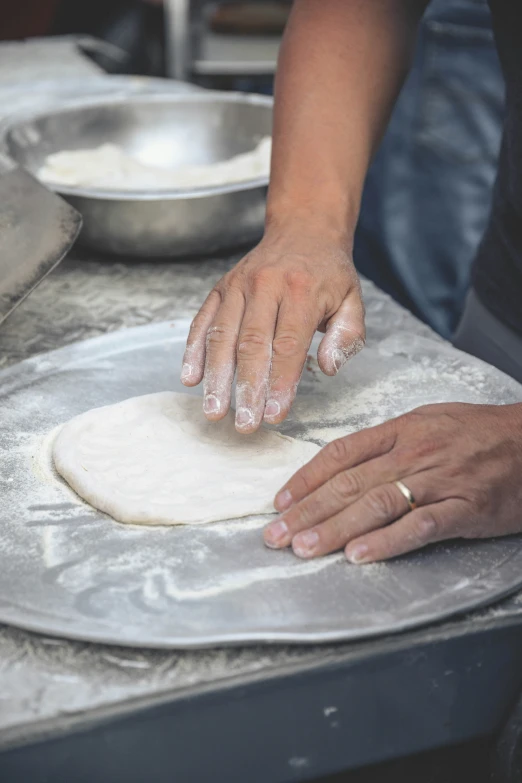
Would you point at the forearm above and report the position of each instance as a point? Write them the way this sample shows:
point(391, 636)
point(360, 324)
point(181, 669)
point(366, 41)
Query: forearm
point(341, 67)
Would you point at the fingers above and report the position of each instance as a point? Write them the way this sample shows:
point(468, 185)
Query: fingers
point(311, 534)
point(376, 526)
point(377, 509)
point(345, 334)
point(329, 504)
point(220, 355)
point(254, 354)
point(425, 525)
point(194, 356)
point(339, 455)
point(295, 329)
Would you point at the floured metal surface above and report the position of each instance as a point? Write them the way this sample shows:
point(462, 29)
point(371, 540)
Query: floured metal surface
point(48, 680)
point(66, 569)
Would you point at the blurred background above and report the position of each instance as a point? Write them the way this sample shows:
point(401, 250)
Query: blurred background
point(228, 45)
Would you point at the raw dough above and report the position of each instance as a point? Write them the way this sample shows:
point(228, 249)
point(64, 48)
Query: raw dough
point(109, 167)
point(156, 460)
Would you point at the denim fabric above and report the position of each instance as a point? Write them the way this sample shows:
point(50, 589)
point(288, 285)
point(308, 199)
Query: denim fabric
point(428, 193)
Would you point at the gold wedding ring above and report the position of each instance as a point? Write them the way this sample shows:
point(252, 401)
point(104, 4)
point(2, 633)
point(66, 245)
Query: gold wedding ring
point(403, 489)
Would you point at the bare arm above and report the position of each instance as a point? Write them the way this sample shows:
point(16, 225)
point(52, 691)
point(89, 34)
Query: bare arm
point(341, 67)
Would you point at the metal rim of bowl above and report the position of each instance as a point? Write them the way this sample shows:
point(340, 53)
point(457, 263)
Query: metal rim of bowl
point(149, 195)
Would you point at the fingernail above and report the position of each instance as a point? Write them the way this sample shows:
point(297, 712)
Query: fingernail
point(358, 554)
point(305, 543)
point(283, 500)
point(275, 533)
point(211, 404)
point(272, 408)
point(338, 358)
point(244, 417)
point(186, 372)
point(355, 348)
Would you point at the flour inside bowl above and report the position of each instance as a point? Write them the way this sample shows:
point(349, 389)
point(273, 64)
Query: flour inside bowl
point(110, 167)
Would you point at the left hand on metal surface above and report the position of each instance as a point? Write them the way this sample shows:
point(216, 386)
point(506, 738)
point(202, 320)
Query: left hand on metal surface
point(462, 466)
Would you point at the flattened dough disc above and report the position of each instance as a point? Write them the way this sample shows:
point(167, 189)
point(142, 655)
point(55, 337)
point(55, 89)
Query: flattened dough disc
point(155, 459)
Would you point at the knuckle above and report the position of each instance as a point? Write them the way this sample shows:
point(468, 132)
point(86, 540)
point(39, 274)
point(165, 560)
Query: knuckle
point(382, 502)
point(235, 290)
point(405, 457)
point(231, 285)
point(423, 447)
point(443, 426)
point(431, 446)
point(306, 512)
point(299, 280)
point(220, 334)
point(303, 485)
point(423, 411)
point(347, 485)
point(234, 283)
point(431, 420)
point(252, 343)
point(426, 527)
point(262, 279)
point(286, 345)
point(336, 452)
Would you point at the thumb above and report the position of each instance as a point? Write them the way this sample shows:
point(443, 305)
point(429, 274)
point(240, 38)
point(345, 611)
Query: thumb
point(345, 335)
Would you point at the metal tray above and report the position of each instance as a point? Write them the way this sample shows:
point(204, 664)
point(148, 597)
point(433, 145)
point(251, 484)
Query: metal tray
point(68, 570)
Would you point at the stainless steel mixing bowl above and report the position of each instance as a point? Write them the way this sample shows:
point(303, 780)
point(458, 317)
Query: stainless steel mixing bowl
point(161, 129)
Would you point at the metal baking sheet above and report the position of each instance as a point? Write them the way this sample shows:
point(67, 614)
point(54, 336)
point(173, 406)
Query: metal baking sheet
point(68, 570)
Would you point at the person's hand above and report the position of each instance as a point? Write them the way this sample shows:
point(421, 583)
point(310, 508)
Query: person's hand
point(262, 316)
point(462, 463)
